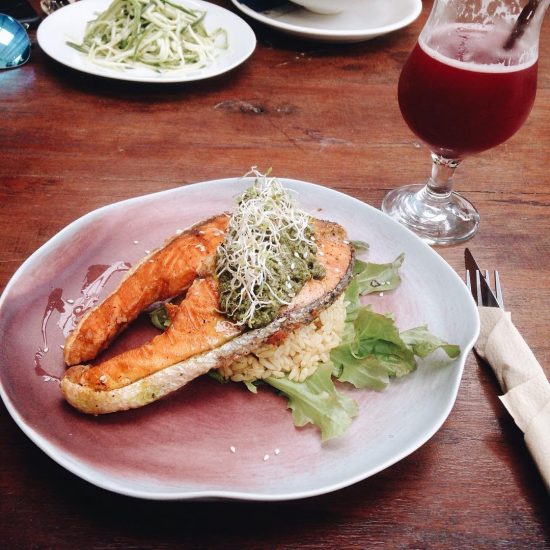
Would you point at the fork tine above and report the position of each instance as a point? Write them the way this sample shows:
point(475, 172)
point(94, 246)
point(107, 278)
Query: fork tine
point(471, 279)
point(479, 296)
point(484, 290)
point(498, 291)
point(488, 281)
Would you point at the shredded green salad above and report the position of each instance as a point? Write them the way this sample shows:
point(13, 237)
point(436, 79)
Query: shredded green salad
point(163, 35)
point(371, 353)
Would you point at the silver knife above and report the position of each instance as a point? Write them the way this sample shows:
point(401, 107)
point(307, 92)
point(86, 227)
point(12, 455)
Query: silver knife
point(478, 282)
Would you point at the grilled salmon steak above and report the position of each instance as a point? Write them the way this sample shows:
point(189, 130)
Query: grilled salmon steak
point(163, 274)
point(199, 337)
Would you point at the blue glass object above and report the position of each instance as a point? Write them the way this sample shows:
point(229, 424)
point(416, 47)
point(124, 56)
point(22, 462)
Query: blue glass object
point(15, 46)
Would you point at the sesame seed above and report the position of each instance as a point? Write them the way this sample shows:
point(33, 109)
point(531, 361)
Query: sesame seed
point(103, 378)
point(381, 294)
point(277, 451)
point(266, 457)
point(61, 346)
point(46, 349)
point(147, 252)
point(232, 449)
point(179, 231)
point(136, 242)
point(70, 301)
point(320, 252)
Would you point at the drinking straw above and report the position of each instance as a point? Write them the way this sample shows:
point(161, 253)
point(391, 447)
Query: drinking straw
point(527, 13)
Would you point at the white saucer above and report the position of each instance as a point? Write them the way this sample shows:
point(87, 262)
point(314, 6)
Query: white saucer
point(365, 19)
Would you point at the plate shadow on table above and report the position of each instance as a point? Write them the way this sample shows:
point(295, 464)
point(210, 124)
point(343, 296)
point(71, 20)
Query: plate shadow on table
point(154, 522)
point(73, 80)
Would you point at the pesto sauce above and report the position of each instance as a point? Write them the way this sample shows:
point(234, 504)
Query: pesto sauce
point(295, 264)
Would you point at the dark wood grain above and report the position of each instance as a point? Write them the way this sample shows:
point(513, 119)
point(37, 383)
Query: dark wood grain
point(70, 143)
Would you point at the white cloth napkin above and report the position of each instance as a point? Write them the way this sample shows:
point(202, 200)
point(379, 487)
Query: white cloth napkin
point(522, 379)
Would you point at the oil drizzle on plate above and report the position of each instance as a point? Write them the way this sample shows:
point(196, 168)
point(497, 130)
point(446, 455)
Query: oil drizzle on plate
point(71, 311)
point(55, 303)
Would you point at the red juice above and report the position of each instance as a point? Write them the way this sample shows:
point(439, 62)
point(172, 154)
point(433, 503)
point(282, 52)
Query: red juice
point(463, 94)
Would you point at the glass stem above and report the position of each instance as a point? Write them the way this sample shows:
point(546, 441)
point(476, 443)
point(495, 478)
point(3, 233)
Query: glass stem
point(440, 184)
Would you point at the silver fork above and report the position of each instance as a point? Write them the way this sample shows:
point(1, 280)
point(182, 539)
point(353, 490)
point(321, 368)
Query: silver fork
point(480, 285)
point(49, 6)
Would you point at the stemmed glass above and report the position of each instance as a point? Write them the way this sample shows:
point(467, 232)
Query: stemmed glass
point(468, 85)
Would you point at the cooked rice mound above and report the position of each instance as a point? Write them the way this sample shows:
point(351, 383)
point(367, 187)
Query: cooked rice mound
point(298, 355)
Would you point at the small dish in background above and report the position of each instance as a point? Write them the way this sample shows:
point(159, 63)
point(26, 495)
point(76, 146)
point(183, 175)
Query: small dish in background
point(361, 20)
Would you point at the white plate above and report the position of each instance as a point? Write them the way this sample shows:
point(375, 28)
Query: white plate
point(69, 22)
point(363, 20)
point(179, 447)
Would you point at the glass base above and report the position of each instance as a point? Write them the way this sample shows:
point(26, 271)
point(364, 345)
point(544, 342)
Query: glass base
point(437, 219)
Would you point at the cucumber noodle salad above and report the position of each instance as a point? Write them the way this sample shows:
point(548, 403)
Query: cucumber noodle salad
point(161, 35)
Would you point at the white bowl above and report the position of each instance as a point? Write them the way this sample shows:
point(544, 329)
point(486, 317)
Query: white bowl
point(326, 7)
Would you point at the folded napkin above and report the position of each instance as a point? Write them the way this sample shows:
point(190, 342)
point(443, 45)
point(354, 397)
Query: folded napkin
point(525, 386)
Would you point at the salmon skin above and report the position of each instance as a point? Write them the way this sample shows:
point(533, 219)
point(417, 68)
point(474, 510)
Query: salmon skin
point(163, 274)
point(201, 338)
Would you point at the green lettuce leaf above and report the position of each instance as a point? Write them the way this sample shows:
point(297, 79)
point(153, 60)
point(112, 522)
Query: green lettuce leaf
point(360, 246)
point(160, 318)
point(317, 401)
point(377, 277)
point(373, 353)
point(422, 342)
point(351, 297)
point(369, 278)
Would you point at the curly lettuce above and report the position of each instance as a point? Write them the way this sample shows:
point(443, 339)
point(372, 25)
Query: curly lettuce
point(372, 352)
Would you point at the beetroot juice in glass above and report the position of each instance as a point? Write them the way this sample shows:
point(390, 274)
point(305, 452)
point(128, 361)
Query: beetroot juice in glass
point(459, 98)
point(466, 87)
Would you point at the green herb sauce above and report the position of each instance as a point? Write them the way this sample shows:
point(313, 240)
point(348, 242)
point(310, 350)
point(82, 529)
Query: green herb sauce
point(280, 258)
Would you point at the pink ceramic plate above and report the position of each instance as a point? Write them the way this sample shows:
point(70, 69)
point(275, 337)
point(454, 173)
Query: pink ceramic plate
point(209, 440)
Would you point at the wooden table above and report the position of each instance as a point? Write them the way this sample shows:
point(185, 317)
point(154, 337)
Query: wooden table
point(71, 143)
